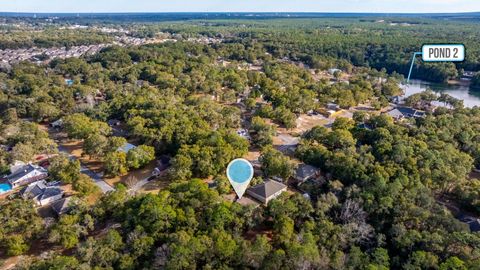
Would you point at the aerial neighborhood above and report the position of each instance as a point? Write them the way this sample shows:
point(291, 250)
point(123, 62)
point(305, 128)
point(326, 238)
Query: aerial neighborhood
point(237, 141)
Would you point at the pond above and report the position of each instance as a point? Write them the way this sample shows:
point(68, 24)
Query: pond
point(470, 97)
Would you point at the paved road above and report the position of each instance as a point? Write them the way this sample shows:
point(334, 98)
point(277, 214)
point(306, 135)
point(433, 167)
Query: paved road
point(97, 178)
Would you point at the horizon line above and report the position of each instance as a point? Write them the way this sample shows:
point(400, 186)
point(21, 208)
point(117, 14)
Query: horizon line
point(236, 12)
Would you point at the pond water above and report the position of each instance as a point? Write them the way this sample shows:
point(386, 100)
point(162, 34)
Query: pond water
point(470, 97)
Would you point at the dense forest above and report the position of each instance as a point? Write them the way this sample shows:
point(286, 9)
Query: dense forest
point(374, 42)
point(16, 39)
point(380, 206)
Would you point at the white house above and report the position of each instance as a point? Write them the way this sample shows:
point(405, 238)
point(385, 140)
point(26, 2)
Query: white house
point(26, 174)
point(42, 193)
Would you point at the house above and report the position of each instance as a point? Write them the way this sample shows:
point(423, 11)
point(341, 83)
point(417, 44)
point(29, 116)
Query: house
point(243, 133)
point(333, 106)
point(126, 147)
point(69, 82)
point(267, 191)
point(17, 166)
point(26, 174)
point(396, 99)
point(63, 206)
point(114, 122)
point(163, 163)
point(472, 222)
point(400, 113)
point(365, 126)
point(57, 124)
point(474, 225)
point(332, 71)
point(257, 166)
point(305, 172)
point(468, 74)
point(42, 193)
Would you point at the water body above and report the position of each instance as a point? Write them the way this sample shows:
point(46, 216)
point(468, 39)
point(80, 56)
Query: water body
point(470, 97)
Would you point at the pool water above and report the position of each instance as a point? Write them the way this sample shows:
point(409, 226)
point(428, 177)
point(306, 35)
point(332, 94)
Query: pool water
point(4, 188)
point(240, 171)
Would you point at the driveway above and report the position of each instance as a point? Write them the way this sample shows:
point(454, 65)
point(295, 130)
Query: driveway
point(97, 178)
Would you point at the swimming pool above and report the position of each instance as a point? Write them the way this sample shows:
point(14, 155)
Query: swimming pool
point(240, 171)
point(4, 187)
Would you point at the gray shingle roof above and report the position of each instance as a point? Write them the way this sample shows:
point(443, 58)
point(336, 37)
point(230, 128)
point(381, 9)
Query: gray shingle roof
point(33, 190)
point(51, 192)
point(395, 113)
point(267, 189)
point(12, 178)
point(305, 171)
point(405, 112)
point(62, 206)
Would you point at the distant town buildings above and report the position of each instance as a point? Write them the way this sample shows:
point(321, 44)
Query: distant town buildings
point(45, 55)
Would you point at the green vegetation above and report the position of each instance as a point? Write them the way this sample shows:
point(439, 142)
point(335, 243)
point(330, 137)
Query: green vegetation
point(380, 204)
point(476, 80)
point(53, 37)
point(20, 226)
point(381, 43)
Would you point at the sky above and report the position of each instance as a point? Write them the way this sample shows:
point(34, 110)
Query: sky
point(383, 6)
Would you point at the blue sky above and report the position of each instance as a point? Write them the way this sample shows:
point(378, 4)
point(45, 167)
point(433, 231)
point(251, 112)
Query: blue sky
point(388, 6)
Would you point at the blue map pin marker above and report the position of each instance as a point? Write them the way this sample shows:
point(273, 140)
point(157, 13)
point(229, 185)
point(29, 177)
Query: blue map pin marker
point(240, 173)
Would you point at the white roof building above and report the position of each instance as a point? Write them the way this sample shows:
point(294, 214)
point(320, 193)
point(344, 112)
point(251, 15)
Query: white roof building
point(126, 147)
point(26, 174)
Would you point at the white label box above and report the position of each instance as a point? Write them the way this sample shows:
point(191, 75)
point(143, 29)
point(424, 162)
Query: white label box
point(443, 53)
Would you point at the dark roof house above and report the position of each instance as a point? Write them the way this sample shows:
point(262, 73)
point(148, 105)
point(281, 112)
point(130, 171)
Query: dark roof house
point(267, 191)
point(63, 206)
point(405, 112)
point(365, 126)
point(41, 193)
point(305, 172)
point(114, 122)
point(33, 190)
point(472, 222)
point(333, 106)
